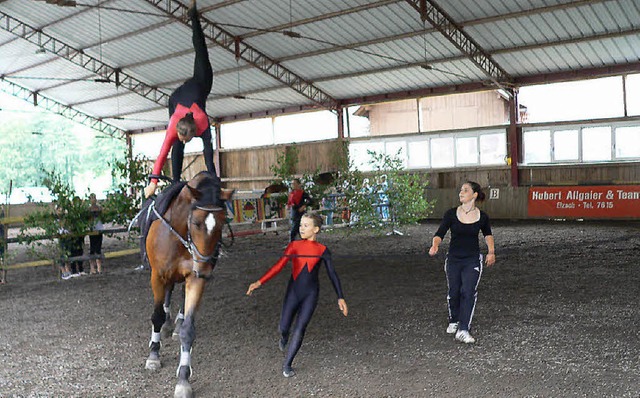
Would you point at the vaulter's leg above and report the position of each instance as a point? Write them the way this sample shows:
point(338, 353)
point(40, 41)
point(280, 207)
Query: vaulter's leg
point(194, 288)
point(158, 317)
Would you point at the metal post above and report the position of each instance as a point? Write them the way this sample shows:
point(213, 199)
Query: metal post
point(514, 139)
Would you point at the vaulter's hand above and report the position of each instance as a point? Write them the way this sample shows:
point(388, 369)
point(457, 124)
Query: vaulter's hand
point(150, 189)
point(253, 287)
point(343, 307)
point(433, 251)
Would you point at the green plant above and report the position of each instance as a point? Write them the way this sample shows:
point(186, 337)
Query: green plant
point(70, 215)
point(285, 166)
point(123, 202)
point(400, 200)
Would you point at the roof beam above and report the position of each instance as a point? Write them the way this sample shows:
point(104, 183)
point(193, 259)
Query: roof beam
point(78, 57)
point(251, 55)
point(430, 11)
point(406, 35)
point(36, 99)
point(517, 80)
point(318, 18)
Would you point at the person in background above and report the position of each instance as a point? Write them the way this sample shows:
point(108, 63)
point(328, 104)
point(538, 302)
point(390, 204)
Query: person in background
point(463, 264)
point(383, 198)
point(301, 297)
point(95, 238)
point(297, 204)
point(2, 239)
point(187, 111)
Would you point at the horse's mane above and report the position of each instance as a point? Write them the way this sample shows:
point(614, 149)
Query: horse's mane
point(209, 187)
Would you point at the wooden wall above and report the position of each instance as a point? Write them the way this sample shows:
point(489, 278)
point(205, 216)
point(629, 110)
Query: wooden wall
point(587, 174)
point(461, 111)
point(249, 169)
point(447, 112)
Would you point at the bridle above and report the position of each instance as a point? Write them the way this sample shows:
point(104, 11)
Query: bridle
point(191, 247)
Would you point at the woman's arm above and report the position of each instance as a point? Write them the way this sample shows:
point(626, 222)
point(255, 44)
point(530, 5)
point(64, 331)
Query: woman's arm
point(435, 243)
point(491, 253)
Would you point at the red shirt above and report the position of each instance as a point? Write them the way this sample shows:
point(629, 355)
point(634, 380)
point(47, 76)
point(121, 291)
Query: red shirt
point(295, 197)
point(202, 124)
point(309, 252)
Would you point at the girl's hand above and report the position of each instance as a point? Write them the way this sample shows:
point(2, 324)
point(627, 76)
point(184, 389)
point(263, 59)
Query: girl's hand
point(343, 307)
point(433, 250)
point(150, 189)
point(253, 287)
point(491, 259)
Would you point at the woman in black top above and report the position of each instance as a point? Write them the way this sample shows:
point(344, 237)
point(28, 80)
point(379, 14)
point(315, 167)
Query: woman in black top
point(463, 265)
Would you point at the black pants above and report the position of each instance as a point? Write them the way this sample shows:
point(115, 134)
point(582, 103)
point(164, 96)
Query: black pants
point(296, 217)
point(303, 303)
point(95, 244)
point(73, 247)
point(198, 87)
point(463, 277)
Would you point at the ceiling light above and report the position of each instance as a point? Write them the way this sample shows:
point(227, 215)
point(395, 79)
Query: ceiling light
point(40, 51)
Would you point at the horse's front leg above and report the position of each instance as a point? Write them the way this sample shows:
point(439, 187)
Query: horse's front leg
point(158, 317)
point(194, 288)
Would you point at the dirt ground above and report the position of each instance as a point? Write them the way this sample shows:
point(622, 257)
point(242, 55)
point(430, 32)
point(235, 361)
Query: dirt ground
point(557, 316)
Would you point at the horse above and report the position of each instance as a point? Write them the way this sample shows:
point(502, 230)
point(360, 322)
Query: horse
point(274, 188)
point(182, 245)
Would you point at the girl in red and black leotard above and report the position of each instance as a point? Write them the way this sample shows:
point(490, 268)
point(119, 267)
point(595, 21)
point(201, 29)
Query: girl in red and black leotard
point(187, 111)
point(302, 291)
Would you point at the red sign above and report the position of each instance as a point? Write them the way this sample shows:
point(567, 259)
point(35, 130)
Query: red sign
point(609, 201)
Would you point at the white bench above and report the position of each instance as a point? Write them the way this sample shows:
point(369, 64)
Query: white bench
point(271, 224)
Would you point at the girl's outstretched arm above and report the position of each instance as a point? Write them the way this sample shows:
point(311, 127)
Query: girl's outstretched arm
point(343, 306)
point(253, 287)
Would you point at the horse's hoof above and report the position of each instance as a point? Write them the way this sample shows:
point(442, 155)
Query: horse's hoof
point(166, 331)
point(176, 331)
point(153, 364)
point(183, 390)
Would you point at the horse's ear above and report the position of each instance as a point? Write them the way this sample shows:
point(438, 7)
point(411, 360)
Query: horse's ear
point(226, 194)
point(194, 193)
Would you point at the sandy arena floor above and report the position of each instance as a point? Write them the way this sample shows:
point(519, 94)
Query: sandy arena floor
point(556, 317)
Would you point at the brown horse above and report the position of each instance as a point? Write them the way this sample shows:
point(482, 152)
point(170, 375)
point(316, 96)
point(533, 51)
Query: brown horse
point(182, 246)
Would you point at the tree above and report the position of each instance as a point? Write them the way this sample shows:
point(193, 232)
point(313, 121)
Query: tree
point(70, 214)
point(403, 195)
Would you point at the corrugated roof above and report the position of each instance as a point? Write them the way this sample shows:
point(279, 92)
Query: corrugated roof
point(347, 50)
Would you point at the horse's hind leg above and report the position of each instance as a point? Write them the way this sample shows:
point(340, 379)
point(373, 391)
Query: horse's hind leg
point(167, 326)
point(158, 317)
point(179, 317)
point(193, 292)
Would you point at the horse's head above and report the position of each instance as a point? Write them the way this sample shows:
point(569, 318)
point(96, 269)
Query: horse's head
point(206, 219)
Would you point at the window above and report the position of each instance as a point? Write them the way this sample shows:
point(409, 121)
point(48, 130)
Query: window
point(302, 127)
point(442, 152)
point(565, 145)
point(247, 134)
point(397, 149)
point(596, 143)
point(493, 148)
point(360, 157)
point(418, 152)
point(627, 142)
point(466, 150)
point(537, 146)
